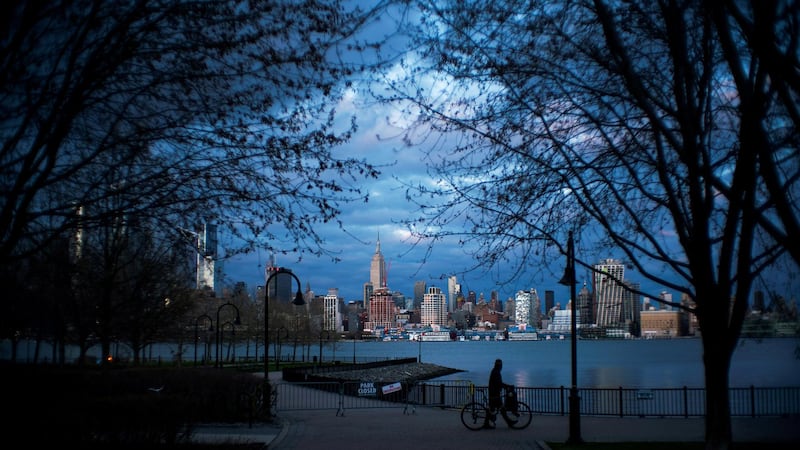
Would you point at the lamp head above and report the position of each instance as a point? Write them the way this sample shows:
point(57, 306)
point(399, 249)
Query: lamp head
point(569, 277)
point(298, 299)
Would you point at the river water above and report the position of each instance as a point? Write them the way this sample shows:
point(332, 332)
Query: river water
point(653, 363)
point(600, 363)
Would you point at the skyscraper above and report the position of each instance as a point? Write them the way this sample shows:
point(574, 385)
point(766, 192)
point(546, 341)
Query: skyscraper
point(419, 293)
point(522, 313)
point(584, 306)
point(381, 310)
point(377, 268)
point(434, 307)
point(453, 289)
point(208, 268)
point(528, 308)
point(609, 293)
point(367, 294)
point(549, 300)
point(280, 287)
point(331, 312)
point(632, 309)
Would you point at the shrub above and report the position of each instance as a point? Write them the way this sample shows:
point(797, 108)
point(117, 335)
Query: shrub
point(122, 407)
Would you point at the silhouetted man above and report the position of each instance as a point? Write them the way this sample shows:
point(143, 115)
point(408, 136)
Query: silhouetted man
point(496, 386)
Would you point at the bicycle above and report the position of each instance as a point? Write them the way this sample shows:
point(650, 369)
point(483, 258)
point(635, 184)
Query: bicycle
point(475, 413)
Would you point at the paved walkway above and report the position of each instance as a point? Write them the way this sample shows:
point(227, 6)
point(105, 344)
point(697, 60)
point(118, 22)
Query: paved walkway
point(428, 427)
point(431, 427)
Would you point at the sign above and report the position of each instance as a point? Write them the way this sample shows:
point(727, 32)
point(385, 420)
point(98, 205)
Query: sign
point(367, 389)
point(644, 394)
point(389, 388)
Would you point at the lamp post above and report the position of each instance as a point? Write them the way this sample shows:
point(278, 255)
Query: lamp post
point(354, 348)
point(327, 335)
point(419, 352)
point(281, 332)
point(574, 399)
point(298, 301)
point(221, 341)
point(236, 321)
point(210, 328)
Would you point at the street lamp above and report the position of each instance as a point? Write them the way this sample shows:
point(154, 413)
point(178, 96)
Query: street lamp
point(221, 343)
point(419, 352)
point(281, 332)
point(327, 335)
point(236, 321)
point(210, 328)
point(569, 279)
point(298, 301)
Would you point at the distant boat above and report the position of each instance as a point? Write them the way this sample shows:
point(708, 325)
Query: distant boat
point(523, 336)
point(436, 336)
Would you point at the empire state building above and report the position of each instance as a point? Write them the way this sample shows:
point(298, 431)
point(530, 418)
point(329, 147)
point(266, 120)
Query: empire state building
point(377, 268)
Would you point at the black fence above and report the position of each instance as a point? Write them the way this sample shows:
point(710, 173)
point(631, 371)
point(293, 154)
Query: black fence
point(620, 402)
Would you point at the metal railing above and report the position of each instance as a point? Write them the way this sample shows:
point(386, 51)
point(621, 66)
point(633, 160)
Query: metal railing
point(621, 402)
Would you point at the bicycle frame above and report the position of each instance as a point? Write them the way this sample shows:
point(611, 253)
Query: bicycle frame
point(478, 410)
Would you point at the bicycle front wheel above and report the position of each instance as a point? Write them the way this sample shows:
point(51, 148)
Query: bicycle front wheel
point(473, 415)
point(520, 418)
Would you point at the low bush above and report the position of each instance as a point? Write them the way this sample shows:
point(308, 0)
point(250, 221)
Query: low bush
point(97, 407)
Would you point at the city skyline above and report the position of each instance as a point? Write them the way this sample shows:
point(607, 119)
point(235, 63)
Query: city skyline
point(405, 267)
point(349, 278)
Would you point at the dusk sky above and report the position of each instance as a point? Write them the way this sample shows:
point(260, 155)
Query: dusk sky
point(378, 142)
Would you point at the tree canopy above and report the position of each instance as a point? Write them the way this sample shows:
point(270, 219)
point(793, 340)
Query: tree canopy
point(181, 112)
point(663, 130)
point(124, 124)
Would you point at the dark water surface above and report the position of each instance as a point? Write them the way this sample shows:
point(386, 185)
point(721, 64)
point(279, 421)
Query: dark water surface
point(547, 363)
point(600, 363)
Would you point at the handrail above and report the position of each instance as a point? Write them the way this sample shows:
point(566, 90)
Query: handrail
point(620, 401)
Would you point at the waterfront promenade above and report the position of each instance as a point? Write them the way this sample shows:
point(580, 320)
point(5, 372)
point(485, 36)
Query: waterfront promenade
point(442, 429)
point(433, 427)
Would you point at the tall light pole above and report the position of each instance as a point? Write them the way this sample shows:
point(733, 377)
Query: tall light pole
point(298, 301)
point(419, 352)
point(327, 335)
point(230, 342)
point(236, 321)
point(280, 333)
point(196, 337)
point(569, 279)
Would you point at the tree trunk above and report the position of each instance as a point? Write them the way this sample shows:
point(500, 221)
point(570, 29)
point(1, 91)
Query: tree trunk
point(717, 354)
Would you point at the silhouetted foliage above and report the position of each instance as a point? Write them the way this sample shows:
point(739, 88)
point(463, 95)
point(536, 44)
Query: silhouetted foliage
point(128, 123)
point(122, 407)
point(665, 130)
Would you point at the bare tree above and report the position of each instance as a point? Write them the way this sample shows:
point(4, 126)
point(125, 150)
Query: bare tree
point(184, 112)
point(667, 130)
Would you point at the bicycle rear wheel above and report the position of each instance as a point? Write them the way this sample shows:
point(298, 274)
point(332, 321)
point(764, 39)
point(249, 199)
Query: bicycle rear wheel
point(473, 415)
point(521, 418)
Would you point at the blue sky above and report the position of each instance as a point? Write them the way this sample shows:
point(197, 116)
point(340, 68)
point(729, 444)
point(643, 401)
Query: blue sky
point(387, 205)
point(379, 142)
